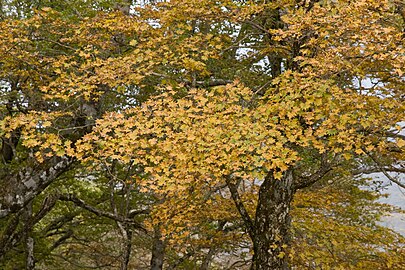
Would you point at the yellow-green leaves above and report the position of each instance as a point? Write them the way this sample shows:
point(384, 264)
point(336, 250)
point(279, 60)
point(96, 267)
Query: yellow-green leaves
point(148, 93)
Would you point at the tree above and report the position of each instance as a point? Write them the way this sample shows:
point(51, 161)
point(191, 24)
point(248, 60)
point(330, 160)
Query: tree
point(48, 107)
point(223, 136)
point(151, 101)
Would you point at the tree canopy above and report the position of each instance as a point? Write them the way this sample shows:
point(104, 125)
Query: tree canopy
point(200, 134)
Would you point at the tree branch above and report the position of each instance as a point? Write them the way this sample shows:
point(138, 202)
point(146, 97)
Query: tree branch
point(11, 237)
point(206, 83)
point(307, 181)
point(28, 183)
point(382, 169)
point(62, 239)
point(378, 169)
point(233, 188)
point(82, 204)
point(8, 235)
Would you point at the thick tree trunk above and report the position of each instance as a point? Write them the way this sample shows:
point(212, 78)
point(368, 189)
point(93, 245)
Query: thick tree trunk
point(158, 251)
point(272, 223)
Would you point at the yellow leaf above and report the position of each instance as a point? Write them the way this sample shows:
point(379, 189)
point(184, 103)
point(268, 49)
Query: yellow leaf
point(347, 156)
point(133, 42)
point(281, 255)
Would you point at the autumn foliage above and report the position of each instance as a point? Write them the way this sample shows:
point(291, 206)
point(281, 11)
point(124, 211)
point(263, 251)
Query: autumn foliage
point(201, 133)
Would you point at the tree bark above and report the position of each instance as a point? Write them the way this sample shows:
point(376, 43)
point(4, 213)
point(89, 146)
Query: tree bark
point(272, 223)
point(22, 188)
point(158, 250)
point(29, 240)
point(126, 245)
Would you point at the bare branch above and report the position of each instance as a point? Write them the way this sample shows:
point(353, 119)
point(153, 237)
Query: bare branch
point(394, 135)
point(378, 169)
point(382, 169)
point(233, 188)
point(98, 212)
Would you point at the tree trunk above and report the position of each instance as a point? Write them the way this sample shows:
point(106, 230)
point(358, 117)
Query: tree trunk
point(29, 241)
point(30, 259)
point(272, 223)
point(207, 259)
point(158, 251)
point(126, 245)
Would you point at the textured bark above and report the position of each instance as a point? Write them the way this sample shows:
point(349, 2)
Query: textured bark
point(30, 259)
point(20, 189)
point(272, 223)
point(29, 241)
point(126, 245)
point(158, 251)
